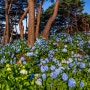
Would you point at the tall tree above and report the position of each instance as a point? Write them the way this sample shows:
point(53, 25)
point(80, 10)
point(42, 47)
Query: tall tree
point(31, 32)
point(21, 27)
point(11, 8)
point(38, 20)
point(45, 32)
point(7, 23)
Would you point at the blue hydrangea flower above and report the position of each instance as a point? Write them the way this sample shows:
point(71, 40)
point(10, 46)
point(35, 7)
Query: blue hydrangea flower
point(38, 41)
point(53, 75)
point(52, 67)
point(39, 79)
point(12, 56)
point(31, 76)
point(30, 54)
point(64, 50)
point(22, 59)
point(51, 52)
point(11, 62)
point(81, 84)
point(46, 60)
point(58, 71)
point(89, 41)
point(2, 61)
point(82, 65)
point(71, 65)
point(24, 62)
point(76, 63)
point(64, 77)
point(44, 68)
point(33, 48)
point(71, 82)
point(43, 76)
point(43, 62)
point(73, 71)
point(55, 60)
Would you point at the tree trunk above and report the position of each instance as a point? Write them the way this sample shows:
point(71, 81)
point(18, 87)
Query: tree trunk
point(3, 38)
point(45, 32)
point(31, 23)
point(84, 24)
point(68, 21)
point(11, 36)
point(10, 6)
point(7, 37)
point(75, 16)
point(71, 28)
point(38, 20)
point(21, 27)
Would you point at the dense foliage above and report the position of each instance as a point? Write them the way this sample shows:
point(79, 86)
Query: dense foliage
point(70, 17)
point(60, 62)
point(63, 60)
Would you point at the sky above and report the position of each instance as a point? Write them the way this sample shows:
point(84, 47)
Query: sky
point(86, 7)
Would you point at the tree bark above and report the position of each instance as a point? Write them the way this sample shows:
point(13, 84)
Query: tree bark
point(45, 32)
point(31, 32)
point(3, 38)
point(38, 20)
point(75, 16)
point(68, 21)
point(10, 6)
point(21, 27)
point(7, 23)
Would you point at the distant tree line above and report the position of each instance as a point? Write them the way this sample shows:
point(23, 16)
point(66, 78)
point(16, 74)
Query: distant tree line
point(62, 15)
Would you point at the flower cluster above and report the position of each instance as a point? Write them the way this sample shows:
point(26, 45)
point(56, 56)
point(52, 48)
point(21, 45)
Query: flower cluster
point(62, 60)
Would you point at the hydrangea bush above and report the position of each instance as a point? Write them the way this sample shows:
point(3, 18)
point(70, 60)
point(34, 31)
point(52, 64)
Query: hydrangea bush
point(61, 63)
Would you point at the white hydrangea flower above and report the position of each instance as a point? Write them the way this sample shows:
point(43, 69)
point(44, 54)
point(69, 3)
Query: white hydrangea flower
point(65, 46)
point(89, 70)
point(61, 67)
point(43, 62)
point(39, 82)
point(72, 52)
point(64, 50)
point(80, 59)
point(59, 64)
point(64, 61)
point(75, 59)
point(23, 71)
point(89, 41)
point(69, 60)
point(75, 55)
point(29, 54)
point(36, 75)
point(79, 56)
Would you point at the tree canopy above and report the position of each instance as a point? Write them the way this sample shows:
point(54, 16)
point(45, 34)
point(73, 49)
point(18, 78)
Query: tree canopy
point(66, 16)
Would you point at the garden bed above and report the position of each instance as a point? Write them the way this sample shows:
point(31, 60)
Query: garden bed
point(61, 63)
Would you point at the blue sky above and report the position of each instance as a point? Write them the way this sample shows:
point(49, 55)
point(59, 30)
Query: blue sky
point(86, 7)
